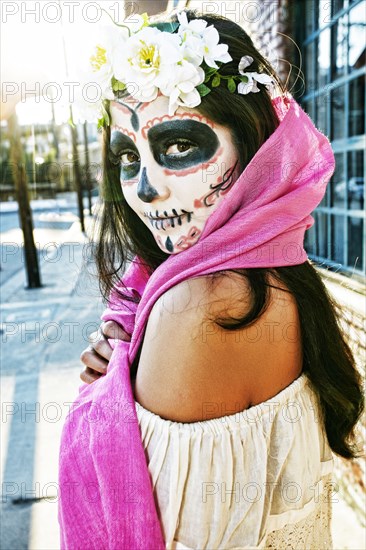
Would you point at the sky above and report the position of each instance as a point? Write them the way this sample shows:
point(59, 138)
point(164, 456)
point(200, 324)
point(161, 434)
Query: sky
point(32, 54)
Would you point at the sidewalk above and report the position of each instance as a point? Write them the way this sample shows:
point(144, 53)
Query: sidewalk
point(43, 334)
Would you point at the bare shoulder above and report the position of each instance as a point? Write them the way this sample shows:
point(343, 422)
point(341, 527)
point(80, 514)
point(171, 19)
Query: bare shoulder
point(191, 369)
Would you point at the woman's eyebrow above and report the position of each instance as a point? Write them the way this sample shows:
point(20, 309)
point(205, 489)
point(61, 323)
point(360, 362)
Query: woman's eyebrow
point(176, 117)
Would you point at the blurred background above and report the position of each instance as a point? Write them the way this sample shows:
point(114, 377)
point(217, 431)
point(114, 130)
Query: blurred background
point(49, 175)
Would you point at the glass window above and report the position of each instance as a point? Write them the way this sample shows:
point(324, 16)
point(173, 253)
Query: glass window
point(323, 58)
point(310, 238)
point(337, 5)
point(338, 185)
point(355, 180)
point(337, 238)
point(310, 57)
point(324, 201)
point(355, 243)
point(340, 47)
point(356, 122)
point(338, 112)
point(357, 36)
point(310, 19)
point(309, 108)
point(324, 12)
point(322, 113)
point(321, 231)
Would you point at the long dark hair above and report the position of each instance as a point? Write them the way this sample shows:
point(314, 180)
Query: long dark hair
point(327, 358)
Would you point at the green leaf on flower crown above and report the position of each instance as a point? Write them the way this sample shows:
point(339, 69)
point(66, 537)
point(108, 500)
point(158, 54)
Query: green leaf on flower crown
point(244, 78)
point(203, 90)
point(210, 72)
point(117, 86)
point(216, 81)
point(165, 27)
point(231, 85)
point(104, 120)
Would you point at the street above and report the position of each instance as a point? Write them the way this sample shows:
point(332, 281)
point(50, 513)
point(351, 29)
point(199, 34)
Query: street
point(50, 220)
point(43, 332)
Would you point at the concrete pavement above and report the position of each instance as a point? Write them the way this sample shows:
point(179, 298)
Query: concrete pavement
point(43, 332)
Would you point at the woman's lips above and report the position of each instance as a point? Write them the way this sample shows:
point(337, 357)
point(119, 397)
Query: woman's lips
point(164, 222)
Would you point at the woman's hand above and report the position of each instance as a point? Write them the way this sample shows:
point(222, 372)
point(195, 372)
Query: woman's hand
point(97, 355)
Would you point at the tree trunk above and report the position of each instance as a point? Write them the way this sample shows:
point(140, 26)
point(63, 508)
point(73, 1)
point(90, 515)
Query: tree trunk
point(77, 171)
point(25, 212)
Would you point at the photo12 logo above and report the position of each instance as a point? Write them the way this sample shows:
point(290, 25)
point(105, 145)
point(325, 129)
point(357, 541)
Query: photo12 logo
point(67, 11)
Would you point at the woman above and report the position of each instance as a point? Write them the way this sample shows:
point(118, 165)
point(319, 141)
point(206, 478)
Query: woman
point(243, 384)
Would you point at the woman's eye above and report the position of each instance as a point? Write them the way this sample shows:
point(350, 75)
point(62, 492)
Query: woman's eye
point(179, 148)
point(129, 158)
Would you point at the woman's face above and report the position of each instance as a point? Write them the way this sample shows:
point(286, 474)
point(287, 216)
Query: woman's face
point(174, 170)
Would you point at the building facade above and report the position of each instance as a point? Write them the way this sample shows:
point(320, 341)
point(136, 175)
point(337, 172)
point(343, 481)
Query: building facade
point(318, 49)
point(332, 38)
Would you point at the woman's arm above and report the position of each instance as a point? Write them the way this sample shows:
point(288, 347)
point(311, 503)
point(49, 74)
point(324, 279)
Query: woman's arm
point(190, 369)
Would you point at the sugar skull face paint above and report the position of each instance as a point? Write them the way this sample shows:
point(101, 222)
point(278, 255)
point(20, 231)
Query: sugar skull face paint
point(174, 170)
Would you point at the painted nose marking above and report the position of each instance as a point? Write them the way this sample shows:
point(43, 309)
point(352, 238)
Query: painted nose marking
point(145, 191)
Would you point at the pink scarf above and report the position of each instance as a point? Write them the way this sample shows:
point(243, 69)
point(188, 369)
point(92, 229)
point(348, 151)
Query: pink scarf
point(106, 496)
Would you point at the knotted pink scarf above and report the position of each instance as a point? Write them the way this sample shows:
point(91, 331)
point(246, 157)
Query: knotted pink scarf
point(106, 497)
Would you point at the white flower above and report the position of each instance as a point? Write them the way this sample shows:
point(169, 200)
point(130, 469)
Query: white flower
point(145, 55)
point(101, 62)
point(201, 42)
point(101, 77)
point(251, 85)
point(149, 60)
point(186, 99)
point(137, 22)
point(212, 50)
point(193, 50)
point(195, 27)
point(191, 35)
point(245, 61)
point(180, 85)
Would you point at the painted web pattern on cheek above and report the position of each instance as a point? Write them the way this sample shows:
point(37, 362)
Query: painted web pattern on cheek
point(218, 190)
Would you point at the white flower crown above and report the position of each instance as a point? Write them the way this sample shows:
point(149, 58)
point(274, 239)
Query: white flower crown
point(146, 58)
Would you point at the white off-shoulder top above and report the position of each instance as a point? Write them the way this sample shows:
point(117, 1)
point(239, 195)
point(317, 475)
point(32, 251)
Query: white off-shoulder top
point(260, 478)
